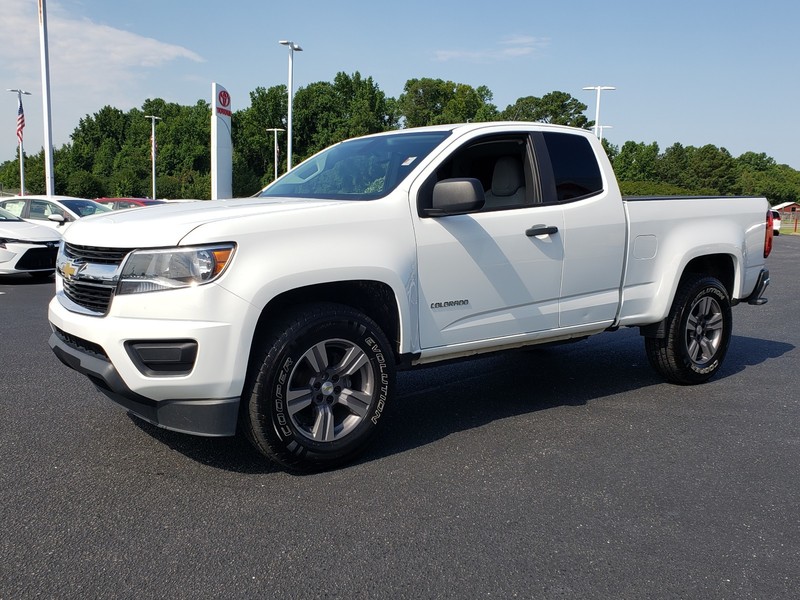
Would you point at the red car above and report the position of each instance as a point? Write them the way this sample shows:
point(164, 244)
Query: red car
point(120, 203)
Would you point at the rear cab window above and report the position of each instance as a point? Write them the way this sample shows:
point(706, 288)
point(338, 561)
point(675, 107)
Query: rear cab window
point(573, 164)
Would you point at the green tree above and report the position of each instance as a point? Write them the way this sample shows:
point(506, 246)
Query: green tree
point(555, 107)
point(85, 185)
point(429, 101)
point(673, 166)
point(253, 144)
point(713, 169)
point(637, 162)
point(325, 113)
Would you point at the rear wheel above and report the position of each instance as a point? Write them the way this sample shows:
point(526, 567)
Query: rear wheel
point(318, 387)
point(698, 332)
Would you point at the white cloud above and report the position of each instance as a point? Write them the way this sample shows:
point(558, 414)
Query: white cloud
point(93, 56)
point(91, 65)
point(511, 47)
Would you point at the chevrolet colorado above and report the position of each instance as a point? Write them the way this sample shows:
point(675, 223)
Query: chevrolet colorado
point(286, 315)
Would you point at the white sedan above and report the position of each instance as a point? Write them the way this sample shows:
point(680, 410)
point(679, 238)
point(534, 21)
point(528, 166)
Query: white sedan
point(26, 247)
point(53, 211)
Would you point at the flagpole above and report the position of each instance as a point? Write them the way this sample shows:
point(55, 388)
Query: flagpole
point(48, 130)
point(20, 127)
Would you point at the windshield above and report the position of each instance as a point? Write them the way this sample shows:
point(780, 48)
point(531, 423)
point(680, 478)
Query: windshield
point(358, 169)
point(84, 208)
point(7, 216)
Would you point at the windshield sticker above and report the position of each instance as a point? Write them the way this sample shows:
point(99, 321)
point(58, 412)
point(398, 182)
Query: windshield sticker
point(409, 160)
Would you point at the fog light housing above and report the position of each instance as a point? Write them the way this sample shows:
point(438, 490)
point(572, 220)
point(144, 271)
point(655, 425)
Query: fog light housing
point(163, 358)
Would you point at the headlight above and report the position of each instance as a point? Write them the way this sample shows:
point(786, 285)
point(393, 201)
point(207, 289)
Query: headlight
point(172, 268)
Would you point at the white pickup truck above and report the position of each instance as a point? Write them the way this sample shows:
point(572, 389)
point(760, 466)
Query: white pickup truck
point(287, 315)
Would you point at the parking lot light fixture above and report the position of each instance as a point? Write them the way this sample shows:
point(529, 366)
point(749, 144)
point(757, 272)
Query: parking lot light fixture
point(275, 131)
point(292, 48)
point(599, 88)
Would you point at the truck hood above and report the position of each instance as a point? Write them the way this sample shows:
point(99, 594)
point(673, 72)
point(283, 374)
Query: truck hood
point(168, 224)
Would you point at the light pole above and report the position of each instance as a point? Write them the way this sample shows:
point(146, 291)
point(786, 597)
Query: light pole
point(275, 131)
point(20, 127)
point(597, 129)
point(601, 128)
point(49, 171)
point(153, 120)
point(292, 47)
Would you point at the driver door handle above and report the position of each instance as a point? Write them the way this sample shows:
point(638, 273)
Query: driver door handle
point(541, 230)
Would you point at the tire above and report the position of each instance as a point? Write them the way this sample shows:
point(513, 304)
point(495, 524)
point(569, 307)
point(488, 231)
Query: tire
point(697, 334)
point(317, 388)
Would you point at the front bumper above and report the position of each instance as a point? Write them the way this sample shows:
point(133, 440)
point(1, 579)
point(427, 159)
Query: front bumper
point(208, 417)
point(171, 358)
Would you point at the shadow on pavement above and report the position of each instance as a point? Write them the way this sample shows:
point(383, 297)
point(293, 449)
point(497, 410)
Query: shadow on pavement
point(434, 402)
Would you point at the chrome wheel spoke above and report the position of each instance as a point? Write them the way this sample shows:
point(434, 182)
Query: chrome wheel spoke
point(357, 402)
point(323, 429)
point(715, 323)
point(297, 400)
point(707, 348)
point(317, 357)
point(353, 360)
point(694, 350)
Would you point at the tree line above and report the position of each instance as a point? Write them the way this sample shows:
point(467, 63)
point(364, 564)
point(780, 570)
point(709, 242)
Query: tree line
point(109, 152)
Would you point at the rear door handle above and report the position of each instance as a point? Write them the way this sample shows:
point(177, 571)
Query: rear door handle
point(541, 230)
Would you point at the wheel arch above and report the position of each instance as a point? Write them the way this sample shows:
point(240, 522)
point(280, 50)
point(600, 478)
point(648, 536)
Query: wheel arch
point(719, 266)
point(375, 299)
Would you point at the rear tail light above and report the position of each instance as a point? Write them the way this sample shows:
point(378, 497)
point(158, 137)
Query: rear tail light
point(768, 235)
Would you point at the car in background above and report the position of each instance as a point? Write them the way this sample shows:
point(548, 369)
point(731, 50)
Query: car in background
point(776, 222)
point(53, 211)
point(26, 247)
point(121, 203)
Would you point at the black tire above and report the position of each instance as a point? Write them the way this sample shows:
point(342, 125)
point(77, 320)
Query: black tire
point(318, 386)
point(698, 332)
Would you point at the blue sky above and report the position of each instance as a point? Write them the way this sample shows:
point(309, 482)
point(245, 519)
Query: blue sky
point(701, 72)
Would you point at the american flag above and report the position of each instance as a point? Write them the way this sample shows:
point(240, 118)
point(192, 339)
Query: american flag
point(20, 120)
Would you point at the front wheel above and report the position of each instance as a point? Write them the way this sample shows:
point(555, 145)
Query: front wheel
point(317, 387)
point(698, 332)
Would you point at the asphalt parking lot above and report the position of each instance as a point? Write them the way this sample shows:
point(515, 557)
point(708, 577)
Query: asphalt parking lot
point(570, 472)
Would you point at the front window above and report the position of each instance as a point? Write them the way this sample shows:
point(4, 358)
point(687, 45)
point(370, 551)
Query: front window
point(84, 208)
point(8, 216)
point(359, 169)
point(42, 209)
point(14, 206)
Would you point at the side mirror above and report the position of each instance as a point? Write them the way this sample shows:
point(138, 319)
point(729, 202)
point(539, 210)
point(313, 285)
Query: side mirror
point(456, 197)
point(56, 218)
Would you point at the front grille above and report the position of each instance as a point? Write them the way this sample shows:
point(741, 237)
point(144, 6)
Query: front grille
point(38, 258)
point(92, 254)
point(93, 294)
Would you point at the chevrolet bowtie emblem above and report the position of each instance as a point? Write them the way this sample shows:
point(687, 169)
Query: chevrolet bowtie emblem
point(70, 269)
